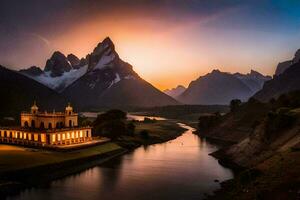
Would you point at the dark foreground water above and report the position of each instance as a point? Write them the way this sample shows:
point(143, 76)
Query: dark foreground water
point(178, 169)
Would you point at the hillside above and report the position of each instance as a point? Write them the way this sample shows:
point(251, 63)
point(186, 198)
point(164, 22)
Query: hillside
point(19, 92)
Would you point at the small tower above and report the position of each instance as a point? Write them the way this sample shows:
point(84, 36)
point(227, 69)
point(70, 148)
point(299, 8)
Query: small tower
point(69, 109)
point(34, 108)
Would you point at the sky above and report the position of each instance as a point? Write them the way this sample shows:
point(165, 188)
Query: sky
point(168, 42)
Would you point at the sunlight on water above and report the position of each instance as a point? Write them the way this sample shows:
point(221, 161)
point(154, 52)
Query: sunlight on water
point(178, 169)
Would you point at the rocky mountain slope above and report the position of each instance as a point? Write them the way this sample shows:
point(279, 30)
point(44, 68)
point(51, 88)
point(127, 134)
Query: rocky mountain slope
point(109, 81)
point(60, 71)
point(175, 92)
point(268, 147)
point(18, 92)
point(282, 66)
point(285, 82)
point(101, 79)
point(221, 87)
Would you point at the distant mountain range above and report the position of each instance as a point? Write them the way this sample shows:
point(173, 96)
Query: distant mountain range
point(220, 88)
point(101, 79)
point(175, 92)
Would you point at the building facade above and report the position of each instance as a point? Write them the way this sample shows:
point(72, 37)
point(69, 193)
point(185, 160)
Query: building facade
point(47, 128)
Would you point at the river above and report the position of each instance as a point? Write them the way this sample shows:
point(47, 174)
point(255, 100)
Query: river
point(178, 169)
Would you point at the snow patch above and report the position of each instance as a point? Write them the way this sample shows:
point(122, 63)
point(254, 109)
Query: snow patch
point(116, 80)
point(105, 61)
point(59, 83)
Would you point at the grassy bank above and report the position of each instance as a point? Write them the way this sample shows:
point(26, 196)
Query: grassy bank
point(15, 158)
point(22, 167)
point(158, 132)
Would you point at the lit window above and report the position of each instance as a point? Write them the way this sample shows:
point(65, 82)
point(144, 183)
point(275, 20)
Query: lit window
point(68, 135)
point(24, 136)
point(72, 136)
point(53, 138)
point(81, 134)
point(43, 137)
point(58, 137)
point(29, 136)
point(63, 136)
point(36, 137)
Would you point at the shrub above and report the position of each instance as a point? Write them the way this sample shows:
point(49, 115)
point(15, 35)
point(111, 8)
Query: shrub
point(144, 134)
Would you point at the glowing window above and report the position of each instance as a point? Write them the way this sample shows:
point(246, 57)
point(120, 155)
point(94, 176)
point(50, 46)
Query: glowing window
point(68, 135)
point(58, 137)
point(29, 136)
point(24, 136)
point(81, 134)
point(53, 137)
point(36, 137)
point(43, 137)
point(2, 133)
point(63, 136)
point(72, 136)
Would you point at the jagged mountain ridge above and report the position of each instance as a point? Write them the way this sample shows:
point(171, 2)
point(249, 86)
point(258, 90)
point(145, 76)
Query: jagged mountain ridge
point(101, 77)
point(285, 82)
point(282, 66)
point(109, 81)
point(221, 87)
point(175, 92)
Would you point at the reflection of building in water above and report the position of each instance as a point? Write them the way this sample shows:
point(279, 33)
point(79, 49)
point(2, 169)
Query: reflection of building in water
point(47, 128)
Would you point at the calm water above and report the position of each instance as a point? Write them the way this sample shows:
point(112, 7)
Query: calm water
point(129, 116)
point(178, 169)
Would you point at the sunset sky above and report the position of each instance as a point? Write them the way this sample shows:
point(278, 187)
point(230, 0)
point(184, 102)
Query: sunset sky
point(168, 42)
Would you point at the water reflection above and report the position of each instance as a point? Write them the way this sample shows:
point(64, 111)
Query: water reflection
point(178, 169)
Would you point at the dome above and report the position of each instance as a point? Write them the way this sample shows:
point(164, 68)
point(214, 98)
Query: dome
point(34, 106)
point(69, 107)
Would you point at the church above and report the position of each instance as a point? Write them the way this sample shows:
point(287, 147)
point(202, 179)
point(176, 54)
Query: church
point(47, 129)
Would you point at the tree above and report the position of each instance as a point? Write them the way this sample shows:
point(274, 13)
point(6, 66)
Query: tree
point(130, 128)
point(110, 124)
point(234, 104)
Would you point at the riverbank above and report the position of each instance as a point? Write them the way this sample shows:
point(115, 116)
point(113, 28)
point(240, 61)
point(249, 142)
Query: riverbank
point(157, 132)
point(22, 167)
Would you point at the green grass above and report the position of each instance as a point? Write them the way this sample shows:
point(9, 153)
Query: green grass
point(14, 158)
point(159, 131)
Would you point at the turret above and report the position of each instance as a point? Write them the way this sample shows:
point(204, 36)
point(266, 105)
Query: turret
point(34, 108)
point(69, 109)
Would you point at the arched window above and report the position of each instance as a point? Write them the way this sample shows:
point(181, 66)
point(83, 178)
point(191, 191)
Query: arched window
point(61, 124)
point(32, 124)
point(70, 123)
point(42, 126)
point(57, 125)
point(26, 124)
point(50, 126)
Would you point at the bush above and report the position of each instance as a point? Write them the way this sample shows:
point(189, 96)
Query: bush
point(144, 134)
point(208, 121)
point(130, 129)
point(234, 104)
point(277, 121)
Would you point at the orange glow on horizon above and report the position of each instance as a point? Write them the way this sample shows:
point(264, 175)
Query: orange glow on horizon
point(160, 53)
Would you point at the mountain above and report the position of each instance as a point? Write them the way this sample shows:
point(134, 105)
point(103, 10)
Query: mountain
point(109, 81)
point(285, 82)
point(19, 92)
point(282, 66)
point(175, 92)
point(220, 88)
point(254, 80)
point(60, 71)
